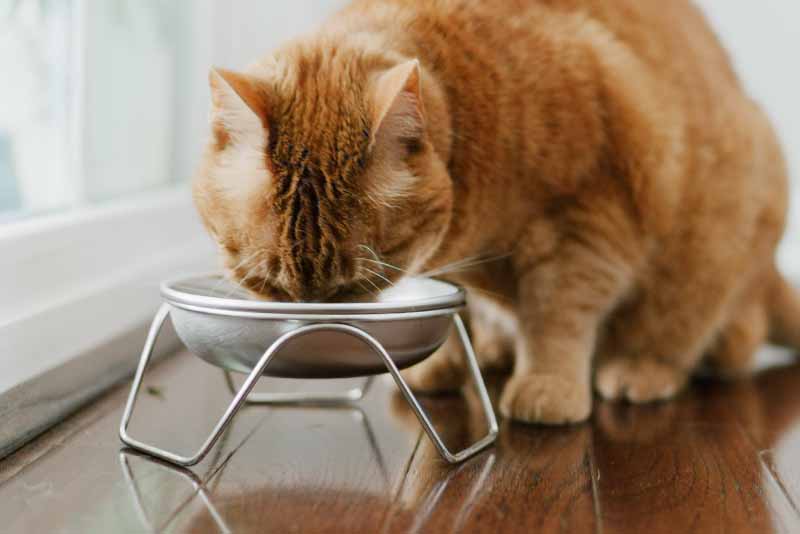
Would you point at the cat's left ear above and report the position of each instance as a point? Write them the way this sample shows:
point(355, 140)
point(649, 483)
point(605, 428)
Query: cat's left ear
point(238, 104)
point(398, 112)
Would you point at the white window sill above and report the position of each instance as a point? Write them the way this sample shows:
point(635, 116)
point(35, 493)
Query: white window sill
point(72, 281)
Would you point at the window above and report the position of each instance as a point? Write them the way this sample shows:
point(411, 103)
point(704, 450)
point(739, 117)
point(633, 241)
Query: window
point(103, 114)
point(94, 139)
point(36, 47)
point(96, 102)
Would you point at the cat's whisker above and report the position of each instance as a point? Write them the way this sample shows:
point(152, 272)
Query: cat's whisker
point(247, 258)
point(371, 251)
point(250, 272)
point(241, 262)
point(379, 261)
point(378, 275)
point(263, 285)
point(384, 264)
point(456, 263)
point(463, 265)
point(373, 284)
point(364, 289)
point(481, 259)
point(492, 294)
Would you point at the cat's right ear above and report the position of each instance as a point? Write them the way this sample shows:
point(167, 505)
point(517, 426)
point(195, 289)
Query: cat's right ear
point(238, 106)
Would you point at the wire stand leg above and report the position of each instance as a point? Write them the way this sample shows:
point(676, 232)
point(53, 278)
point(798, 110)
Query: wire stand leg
point(237, 402)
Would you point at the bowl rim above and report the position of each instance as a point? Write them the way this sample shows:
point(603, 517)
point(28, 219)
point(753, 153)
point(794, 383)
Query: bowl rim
point(222, 305)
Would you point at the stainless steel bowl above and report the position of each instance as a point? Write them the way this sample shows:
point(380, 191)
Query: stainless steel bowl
point(228, 328)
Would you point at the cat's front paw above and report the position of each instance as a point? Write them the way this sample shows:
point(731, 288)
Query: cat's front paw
point(547, 399)
point(638, 380)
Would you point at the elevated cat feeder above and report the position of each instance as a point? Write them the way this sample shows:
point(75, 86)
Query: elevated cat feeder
point(224, 326)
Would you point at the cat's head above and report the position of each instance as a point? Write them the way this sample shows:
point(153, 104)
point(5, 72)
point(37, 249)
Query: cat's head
point(319, 169)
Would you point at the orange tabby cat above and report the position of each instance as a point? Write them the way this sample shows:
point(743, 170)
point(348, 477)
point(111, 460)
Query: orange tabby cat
point(619, 193)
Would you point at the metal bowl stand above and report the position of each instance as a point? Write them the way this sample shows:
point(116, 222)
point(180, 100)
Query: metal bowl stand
point(244, 395)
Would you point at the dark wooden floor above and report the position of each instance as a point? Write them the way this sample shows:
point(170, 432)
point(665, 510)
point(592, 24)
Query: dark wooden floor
point(721, 458)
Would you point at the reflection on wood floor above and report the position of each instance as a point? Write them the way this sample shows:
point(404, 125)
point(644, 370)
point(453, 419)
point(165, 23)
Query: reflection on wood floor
point(724, 457)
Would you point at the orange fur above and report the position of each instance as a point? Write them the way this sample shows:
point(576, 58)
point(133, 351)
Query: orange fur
point(600, 155)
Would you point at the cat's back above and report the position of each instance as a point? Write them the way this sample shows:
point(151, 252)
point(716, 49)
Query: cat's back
point(525, 81)
point(673, 38)
point(492, 53)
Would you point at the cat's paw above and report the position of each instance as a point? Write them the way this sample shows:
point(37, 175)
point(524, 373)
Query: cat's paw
point(443, 372)
point(546, 399)
point(493, 353)
point(638, 380)
point(493, 333)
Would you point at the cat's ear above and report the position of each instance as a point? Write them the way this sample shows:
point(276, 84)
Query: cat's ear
point(238, 104)
point(398, 112)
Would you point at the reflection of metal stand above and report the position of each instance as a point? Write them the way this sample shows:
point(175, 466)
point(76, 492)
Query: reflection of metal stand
point(243, 395)
point(426, 507)
point(202, 490)
point(199, 489)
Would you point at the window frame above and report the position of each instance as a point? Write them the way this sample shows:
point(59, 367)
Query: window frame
point(80, 286)
point(83, 332)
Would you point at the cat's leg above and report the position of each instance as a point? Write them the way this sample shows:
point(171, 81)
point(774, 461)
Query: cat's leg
point(658, 339)
point(563, 299)
point(443, 371)
point(491, 335)
point(733, 352)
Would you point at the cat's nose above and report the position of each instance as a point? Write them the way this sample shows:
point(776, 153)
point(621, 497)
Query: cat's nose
point(310, 293)
point(320, 287)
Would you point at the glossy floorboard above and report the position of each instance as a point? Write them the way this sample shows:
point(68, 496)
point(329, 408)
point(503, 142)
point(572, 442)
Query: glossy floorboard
point(721, 458)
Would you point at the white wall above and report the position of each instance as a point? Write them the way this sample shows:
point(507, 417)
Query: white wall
point(764, 40)
point(230, 35)
point(247, 29)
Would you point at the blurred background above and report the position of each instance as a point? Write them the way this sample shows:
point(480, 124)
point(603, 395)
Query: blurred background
point(103, 114)
point(102, 98)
